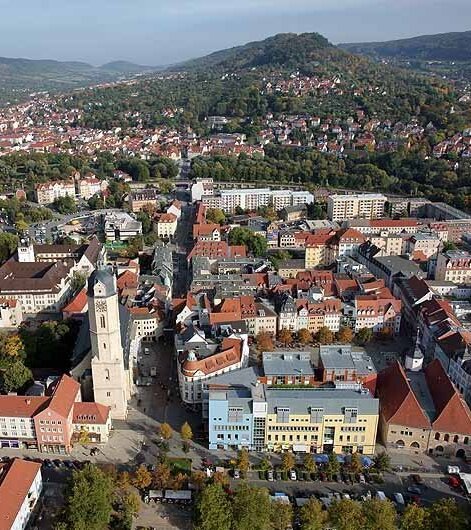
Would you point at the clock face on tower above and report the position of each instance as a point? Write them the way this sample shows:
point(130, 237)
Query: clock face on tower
point(100, 305)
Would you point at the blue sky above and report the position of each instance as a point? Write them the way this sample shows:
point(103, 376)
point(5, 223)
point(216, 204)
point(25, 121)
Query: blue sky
point(157, 32)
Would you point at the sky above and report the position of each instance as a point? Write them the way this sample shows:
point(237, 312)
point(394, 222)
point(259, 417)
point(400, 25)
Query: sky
point(160, 32)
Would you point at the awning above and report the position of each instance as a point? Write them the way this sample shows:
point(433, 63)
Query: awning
point(302, 448)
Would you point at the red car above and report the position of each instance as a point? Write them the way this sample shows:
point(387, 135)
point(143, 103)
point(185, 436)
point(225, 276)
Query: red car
point(454, 482)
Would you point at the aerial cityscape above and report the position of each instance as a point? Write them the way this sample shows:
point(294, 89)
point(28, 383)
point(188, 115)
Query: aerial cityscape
point(235, 272)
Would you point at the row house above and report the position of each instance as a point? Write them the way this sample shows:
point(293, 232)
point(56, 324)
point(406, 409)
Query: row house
point(48, 192)
point(378, 312)
point(301, 314)
point(165, 224)
point(454, 266)
point(325, 246)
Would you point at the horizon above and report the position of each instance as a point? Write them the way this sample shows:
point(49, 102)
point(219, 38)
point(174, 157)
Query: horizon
point(156, 33)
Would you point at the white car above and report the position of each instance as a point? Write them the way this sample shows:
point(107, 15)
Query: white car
point(292, 475)
point(146, 351)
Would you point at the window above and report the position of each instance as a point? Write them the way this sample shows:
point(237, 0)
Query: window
point(316, 415)
point(108, 394)
point(235, 414)
point(437, 436)
point(282, 415)
point(351, 415)
point(102, 321)
point(107, 374)
point(446, 437)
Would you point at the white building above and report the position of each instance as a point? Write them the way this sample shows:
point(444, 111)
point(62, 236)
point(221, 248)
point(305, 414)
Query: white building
point(48, 192)
point(454, 266)
point(362, 206)
point(165, 225)
point(20, 488)
point(120, 226)
point(89, 186)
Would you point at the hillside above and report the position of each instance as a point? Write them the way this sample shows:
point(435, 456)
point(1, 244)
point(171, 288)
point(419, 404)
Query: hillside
point(19, 77)
point(441, 47)
point(283, 50)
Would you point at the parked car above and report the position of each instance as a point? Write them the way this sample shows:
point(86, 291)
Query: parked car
point(414, 489)
point(454, 482)
point(270, 475)
point(68, 464)
point(362, 479)
point(58, 463)
point(48, 463)
point(292, 475)
point(278, 475)
point(236, 473)
point(417, 479)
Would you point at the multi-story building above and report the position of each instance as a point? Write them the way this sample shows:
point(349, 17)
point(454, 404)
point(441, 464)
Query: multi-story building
point(378, 312)
point(423, 244)
point(21, 485)
point(48, 192)
point(47, 423)
point(140, 199)
point(310, 420)
point(11, 314)
point(203, 186)
point(422, 411)
point(362, 206)
point(454, 266)
point(89, 185)
point(120, 226)
point(370, 227)
point(165, 224)
point(251, 199)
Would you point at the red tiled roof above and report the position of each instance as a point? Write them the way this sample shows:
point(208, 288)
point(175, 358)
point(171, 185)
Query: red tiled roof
point(398, 403)
point(452, 413)
point(78, 304)
point(64, 396)
point(127, 279)
point(14, 488)
point(22, 406)
point(95, 413)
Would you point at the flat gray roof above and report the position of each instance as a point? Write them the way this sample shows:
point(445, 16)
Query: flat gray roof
point(346, 357)
point(287, 363)
point(332, 401)
point(399, 264)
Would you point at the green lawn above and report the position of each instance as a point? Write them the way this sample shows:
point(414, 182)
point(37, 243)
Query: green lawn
point(180, 465)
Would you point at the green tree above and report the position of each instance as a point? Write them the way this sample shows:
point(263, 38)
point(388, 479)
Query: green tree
point(346, 514)
point(382, 461)
point(332, 466)
point(378, 515)
point(77, 283)
point(8, 245)
point(414, 518)
point(251, 508)
point(287, 461)
point(215, 215)
point(213, 509)
point(445, 513)
point(243, 461)
point(364, 335)
point(89, 499)
point(13, 376)
point(186, 432)
point(65, 205)
point(281, 515)
point(309, 463)
point(21, 225)
point(312, 516)
point(325, 336)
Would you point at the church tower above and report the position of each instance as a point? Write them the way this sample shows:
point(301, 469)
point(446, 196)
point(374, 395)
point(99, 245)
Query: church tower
point(26, 251)
point(110, 384)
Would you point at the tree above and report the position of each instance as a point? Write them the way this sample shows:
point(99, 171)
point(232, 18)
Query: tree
point(287, 461)
point(21, 225)
point(221, 478)
point(178, 481)
point(382, 461)
point(414, 518)
point(325, 336)
point(198, 479)
point(312, 516)
point(161, 476)
point(385, 334)
point(264, 341)
point(445, 513)
point(142, 478)
point(265, 464)
point(243, 461)
point(213, 509)
point(345, 335)
point(285, 336)
point(14, 376)
point(304, 336)
point(8, 245)
point(355, 464)
point(65, 205)
point(309, 463)
point(89, 499)
point(332, 466)
point(378, 515)
point(11, 346)
point(364, 335)
point(346, 515)
point(281, 515)
point(186, 432)
point(256, 244)
point(215, 215)
point(251, 508)
point(165, 431)
point(77, 283)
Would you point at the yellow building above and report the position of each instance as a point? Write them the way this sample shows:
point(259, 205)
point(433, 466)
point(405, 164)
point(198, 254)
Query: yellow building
point(320, 420)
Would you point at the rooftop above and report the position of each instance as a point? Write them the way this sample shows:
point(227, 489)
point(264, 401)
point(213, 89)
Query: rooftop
point(345, 357)
point(287, 363)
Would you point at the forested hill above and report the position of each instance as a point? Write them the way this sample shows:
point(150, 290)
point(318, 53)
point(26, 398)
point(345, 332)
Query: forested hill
point(288, 50)
point(441, 47)
point(19, 77)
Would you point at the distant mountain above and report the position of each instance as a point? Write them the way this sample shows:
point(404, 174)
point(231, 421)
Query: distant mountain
point(441, 47)
point(125, 67)
point(285, 49)
point(20, 77)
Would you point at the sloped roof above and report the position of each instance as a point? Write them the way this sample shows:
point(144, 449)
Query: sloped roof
point(90, 413)
point(78, 304)
point(398, 403)
point(452, 413)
